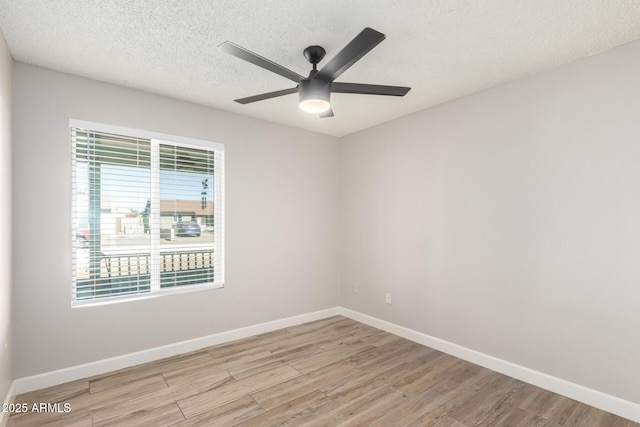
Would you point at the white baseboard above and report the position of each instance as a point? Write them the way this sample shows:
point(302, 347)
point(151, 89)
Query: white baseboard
point(606, 402)
point(73, 373)
point(589, 396)
point(4, 416)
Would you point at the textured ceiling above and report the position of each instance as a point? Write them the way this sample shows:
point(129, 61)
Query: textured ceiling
point(443, 49)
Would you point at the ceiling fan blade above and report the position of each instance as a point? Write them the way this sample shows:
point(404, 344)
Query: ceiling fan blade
point(325, 114)
point(267, 95)
point(365, 89)
point(356, 49)
point(242, 53)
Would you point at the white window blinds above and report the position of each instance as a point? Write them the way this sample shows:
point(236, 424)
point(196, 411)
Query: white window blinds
point(147, 215)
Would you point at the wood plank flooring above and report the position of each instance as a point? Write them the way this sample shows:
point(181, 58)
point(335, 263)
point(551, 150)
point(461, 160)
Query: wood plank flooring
point(332, 372)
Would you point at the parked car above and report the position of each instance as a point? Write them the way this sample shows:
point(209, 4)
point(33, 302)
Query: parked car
point(188, 228)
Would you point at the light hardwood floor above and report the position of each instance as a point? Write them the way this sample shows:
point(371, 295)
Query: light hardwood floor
point(327, 373)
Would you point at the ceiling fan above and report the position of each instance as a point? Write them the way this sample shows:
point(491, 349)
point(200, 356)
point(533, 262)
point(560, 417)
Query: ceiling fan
point(315, 91)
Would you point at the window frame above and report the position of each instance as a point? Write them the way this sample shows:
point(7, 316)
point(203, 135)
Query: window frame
point(156, 140)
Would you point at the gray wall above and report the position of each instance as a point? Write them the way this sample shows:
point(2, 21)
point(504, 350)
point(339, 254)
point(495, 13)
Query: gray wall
point(509, 222)
point(506, 222)
point(6, 347)
point(281, 229)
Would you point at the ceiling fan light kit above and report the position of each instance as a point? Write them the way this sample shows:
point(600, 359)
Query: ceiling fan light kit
point(314, 96)
point(315, 91)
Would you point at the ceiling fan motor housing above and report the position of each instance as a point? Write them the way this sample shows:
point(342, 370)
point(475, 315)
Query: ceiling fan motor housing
point(314, 92)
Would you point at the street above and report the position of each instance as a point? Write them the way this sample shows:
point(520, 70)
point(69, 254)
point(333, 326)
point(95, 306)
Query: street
point(139, 243)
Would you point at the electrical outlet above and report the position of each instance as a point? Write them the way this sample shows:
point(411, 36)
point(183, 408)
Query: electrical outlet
point(388, 298)
point(356, 288)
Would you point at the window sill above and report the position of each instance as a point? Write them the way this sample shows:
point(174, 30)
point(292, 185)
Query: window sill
point(93, 302)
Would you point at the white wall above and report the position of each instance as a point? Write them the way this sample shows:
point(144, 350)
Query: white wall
point(281, 230)
point(509, 222)
point(6, 345)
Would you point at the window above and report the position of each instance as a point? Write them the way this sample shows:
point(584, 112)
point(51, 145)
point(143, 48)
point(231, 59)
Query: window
point(147, 214)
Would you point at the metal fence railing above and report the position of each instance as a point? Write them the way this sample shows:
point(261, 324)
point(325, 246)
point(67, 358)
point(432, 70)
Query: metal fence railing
point(131, 273)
